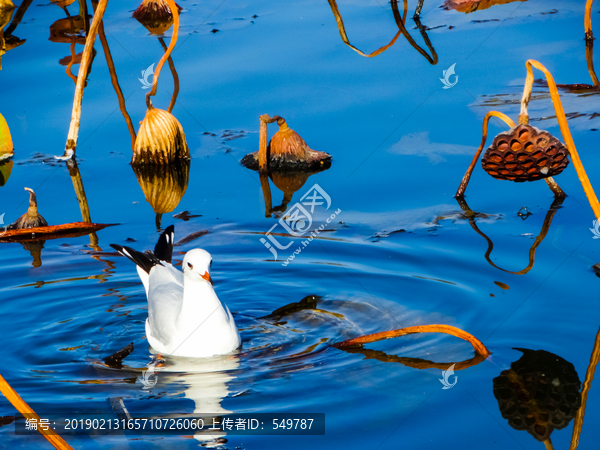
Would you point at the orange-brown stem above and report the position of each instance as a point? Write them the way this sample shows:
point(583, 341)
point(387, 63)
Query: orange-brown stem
point(587, 383)
point(564, 128)
point(446, 329)
point(21, 406)
point(115, 80)
point(86, 58)
point(175, 77)
point(588, 20)
point(262, 143)
point(465, 180)
point(344, 36)
point(165, 57)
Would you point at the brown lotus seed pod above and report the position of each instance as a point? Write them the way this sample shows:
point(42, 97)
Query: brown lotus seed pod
point(539, 393)
point(32, 218)
point(155, 15)
point(525, 153)
point(161, 139)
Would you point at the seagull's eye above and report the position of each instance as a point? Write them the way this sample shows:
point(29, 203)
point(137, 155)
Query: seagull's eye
point(190, 265)
point(210, 263)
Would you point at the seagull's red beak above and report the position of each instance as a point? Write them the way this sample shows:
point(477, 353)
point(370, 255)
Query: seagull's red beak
point(207, 277)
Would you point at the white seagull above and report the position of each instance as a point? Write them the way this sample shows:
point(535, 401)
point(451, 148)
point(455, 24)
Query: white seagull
point(185, 316)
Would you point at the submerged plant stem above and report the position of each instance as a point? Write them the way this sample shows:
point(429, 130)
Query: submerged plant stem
point(465, 181)
point(587, 383)
point(21, 406)
point(564, 128)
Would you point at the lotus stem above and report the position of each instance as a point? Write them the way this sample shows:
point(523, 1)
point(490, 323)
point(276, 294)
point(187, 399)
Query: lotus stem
point(115, 80)
point(262, 143)
point(72, 48)
point(266, 188)
point(86, 58)
point(479, 348)
point(544, 231)
point(465, 181)
point(564, 128)
point(419, 8)
point(587, 383)
point(588, 20)
point(14, 398)
point(167, 54)
point(18, 16)
point(84, 15)
point(175, 77)
point(548, 444)
point(344, 36)
point(589, 57)
point(433, 59)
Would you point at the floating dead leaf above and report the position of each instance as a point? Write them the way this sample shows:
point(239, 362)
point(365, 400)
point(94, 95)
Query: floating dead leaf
point(74, 229)
point(469, 6)
point(502, 285)
point(67, 30)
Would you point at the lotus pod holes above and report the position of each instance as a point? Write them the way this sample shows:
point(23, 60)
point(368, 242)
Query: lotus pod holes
point(287, 151)
point(525, 153)
point(539, 393)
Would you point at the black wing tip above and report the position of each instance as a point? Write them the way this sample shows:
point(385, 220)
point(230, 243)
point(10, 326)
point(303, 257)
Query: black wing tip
point(146, 261)
point(164, 246)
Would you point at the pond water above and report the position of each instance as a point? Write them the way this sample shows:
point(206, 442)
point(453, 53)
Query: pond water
point(401, 252)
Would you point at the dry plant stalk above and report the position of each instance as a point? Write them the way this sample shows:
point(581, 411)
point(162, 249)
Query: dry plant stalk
point(344, 36)
point(588, 20)
point(86, 58)
point(587, 383)
point(564, 128)
point(32, 218)
point(478, 346)
point(14, 398)
point(161, 139)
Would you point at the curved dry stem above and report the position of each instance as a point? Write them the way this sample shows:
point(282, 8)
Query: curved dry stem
point(115, 83)
point(262, 144)
point(564, 128)
point(86, 58)
point(587, 383)
point(344, 36)
point(465, 181)
point(21, 406)
point(18, 16)
point(175, 77)
point(266, 188)
point(548, 444)
point(414, 363)
point(588, 20)
point(72, 48)
point(479, 348)
point(161, 63)
point(433, 59)
point(589, 57)
point(538, 240)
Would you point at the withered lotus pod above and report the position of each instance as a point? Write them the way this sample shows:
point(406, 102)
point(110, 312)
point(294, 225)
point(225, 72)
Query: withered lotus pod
point(539, 393)
point(161, 139)
point(287, 151)
point(163, 185)
point(32, 217)
point(525, 153)
point(155, 15)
